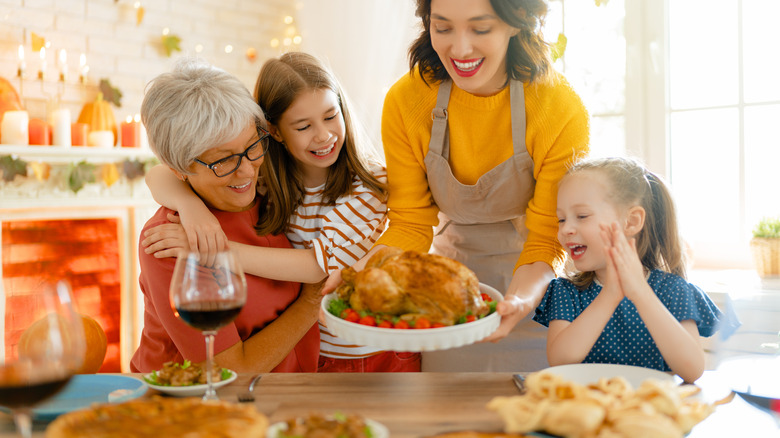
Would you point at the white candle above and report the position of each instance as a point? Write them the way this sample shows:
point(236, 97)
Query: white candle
point(83, 68)
point(42, 72)
point(22, 65)
point(144, 136)
point(60, 121)
point(63, 65)
point(103, 139)
point(13, 129)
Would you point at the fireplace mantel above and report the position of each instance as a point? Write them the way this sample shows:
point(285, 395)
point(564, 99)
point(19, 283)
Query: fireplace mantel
point(46, 193)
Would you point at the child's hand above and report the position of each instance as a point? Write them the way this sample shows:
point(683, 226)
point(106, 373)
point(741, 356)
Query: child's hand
point(166, 240)
point(629, 269)
point(204, 234)
point(612, 287)
point(334, 280)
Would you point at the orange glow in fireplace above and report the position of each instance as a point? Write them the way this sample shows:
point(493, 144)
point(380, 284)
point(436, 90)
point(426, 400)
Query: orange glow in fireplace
point(83, 251)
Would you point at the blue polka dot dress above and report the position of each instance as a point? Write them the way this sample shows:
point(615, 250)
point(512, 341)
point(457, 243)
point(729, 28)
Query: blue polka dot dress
point(625, 339)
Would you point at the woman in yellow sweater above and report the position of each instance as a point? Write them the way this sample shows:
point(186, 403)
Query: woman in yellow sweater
point(476, 138)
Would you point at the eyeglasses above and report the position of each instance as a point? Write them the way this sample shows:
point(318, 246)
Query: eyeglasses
point(230, 164)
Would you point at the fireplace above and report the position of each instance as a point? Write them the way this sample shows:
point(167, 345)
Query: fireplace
point(89, 237)
point(85, 252)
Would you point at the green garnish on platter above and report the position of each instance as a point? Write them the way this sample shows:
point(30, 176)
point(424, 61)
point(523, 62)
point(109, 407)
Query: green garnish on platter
point(152, 378)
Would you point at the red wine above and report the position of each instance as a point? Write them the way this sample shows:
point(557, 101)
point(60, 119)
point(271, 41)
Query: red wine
point(209, 316)
point(31, 394)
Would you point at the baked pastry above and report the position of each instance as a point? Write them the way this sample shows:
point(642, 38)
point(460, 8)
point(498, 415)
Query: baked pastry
point(410, 284)
point(162, 417)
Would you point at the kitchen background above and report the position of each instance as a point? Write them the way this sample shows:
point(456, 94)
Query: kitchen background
point(696, 98)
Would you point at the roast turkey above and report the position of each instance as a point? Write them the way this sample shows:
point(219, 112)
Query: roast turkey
point(410, 284)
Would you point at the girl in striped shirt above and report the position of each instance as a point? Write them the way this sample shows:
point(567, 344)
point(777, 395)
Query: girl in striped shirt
point(318, 187)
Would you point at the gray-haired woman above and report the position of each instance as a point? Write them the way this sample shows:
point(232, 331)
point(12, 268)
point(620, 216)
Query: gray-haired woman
point(203, 124)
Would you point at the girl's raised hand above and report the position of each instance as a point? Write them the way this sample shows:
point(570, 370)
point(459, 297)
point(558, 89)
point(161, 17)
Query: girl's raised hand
point(611, 284)
point(165, 240)
point(629, 268)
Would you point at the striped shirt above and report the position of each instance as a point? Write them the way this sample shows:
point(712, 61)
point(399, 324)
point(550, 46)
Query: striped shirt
point(340, 234)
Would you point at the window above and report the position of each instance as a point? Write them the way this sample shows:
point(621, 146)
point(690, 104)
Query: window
point(693, 88)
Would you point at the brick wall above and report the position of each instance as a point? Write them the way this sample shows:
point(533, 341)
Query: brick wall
point(83, 252)
point(130, 55)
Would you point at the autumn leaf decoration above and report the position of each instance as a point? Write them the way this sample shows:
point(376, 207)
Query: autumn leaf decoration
point(559, 47)
point(139, 14)
point(171, 44)
point(80, 174)
point(110, 93)
point(10, 167)
point(133, 169)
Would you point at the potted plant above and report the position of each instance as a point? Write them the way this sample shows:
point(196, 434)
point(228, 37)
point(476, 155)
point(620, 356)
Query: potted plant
point(765, 246)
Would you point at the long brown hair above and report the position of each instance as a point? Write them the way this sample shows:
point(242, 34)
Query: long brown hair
point(527, 56)
point(658, 243)
point(279, 83)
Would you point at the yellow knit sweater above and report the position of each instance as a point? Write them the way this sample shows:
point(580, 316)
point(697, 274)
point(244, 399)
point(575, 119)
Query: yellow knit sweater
point(480, 139)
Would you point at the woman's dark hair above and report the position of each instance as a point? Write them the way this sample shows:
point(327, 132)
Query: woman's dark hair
point(527, 56)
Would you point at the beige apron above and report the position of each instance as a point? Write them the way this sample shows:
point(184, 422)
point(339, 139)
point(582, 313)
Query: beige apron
point(482, 226)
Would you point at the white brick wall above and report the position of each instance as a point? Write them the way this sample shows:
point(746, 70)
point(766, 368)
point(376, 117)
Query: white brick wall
point(126, 54)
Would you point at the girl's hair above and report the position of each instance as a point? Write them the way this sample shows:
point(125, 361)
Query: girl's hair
point(280, 82)
point(527, 56)
point(194, 108)
point(658, 243)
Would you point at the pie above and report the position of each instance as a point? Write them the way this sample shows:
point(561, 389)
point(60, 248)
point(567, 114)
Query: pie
point(162, 417)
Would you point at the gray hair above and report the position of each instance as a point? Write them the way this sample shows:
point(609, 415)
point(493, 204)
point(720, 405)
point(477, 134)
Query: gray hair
point(194, 108)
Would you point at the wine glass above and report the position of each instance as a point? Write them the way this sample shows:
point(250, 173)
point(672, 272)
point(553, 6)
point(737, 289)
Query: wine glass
point(49, 352)
point(207, 295)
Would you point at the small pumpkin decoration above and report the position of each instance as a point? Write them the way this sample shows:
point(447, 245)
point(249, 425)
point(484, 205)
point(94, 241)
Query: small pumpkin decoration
point(9, 98)
point(34, 339)
point(99, 116)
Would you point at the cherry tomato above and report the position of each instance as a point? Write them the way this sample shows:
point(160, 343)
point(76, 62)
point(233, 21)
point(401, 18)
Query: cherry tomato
point(350, 315)
point(485, 297)
point(385, 323)
point(471, 318)
point(401, 324)
point(368, 320)
point(438, 324)
point(422, 323)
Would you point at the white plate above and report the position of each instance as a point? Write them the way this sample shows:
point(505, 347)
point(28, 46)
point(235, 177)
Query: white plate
point(189, 391)
point(585, 373)
point(440, 338)
point(378, 430)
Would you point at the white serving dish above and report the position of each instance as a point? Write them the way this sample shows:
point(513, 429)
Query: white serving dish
point(191, 390)
point(414, 340)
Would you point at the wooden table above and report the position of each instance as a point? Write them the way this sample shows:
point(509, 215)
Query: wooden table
point(424, 404)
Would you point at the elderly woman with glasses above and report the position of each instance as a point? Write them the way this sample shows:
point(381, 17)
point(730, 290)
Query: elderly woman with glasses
point(205, 126)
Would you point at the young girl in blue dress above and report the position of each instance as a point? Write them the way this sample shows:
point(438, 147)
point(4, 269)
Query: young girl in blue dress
point(628, 301)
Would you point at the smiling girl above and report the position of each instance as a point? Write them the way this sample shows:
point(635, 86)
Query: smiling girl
point(320, 187)
point(628, 302)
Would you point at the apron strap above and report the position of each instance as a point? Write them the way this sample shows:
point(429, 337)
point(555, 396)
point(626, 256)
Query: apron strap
point(439, 131)
point(517, 105)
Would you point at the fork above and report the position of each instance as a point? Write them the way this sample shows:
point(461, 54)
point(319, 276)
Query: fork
point(519, 382)
point(248, 396)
